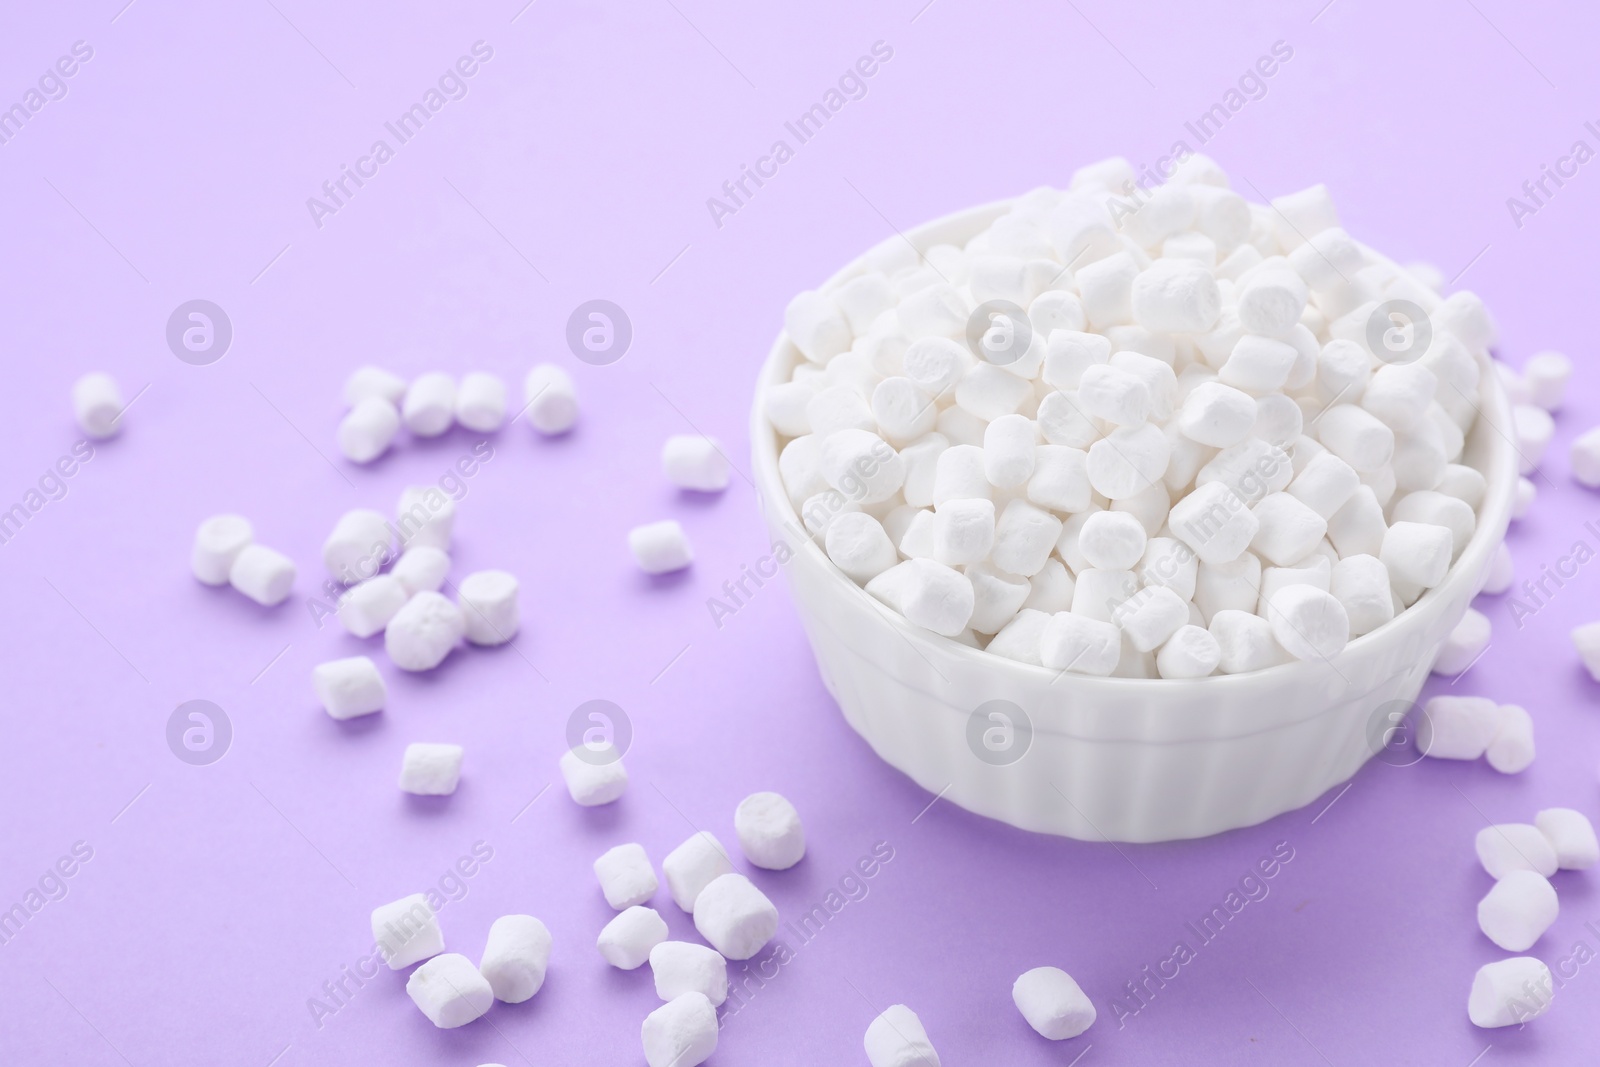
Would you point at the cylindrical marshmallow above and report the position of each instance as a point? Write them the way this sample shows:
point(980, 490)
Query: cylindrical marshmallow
point(625, 875)
point(769, 831)
point(515, 957)
point(368, 606)
point(550, 398)
point(430, 770)
point(660, 547)
point(1511, 749)
point(481, 402)
point(217, 543)
point(369, 381)
point(1518, 910)
point(1572, 836)
point(450, 991)
point(896, 1038)
point(349, 687)
point(429, 407)
point(488, 602)
point(97, 404)
point(692, 461)
point(625, 942)
point(1053, 1003)
point(1308, 623)
point(425, 516)
point(263, 574)
point(680, 1033)
point(596, 780)
point(368, 429)
point(423, 632)
point(1510, 992)
point(1515, 846)
point(681, 967)
point(692, 866)
point(1464, 645)
point(359, 545)
point(421, 567)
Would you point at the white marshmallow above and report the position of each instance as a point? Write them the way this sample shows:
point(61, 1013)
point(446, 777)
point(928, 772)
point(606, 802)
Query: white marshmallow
point(368, 429)
point(1509, 847)
point(680, 1033)
point(368, 606)
point(425, 516)
point(1071, 641)
point(515, 957)
point(896, 1038)
point(217, 543)
point(1101, 594)
point(429, 406)
point(862, 299)
point(1441, 510)
point(1464, 645)
point(1113, 394)
point(1023, 538)
point(627, 940)
point(1060, 478)
point(1358, 527)
point(1546, 374)
point(1325, 484)
point(785, 406)
point(681, 967)
point(838, 407)
point(988, 391)
point(423, 632)
point(430, 770)
point(421, 568)
point(1511, 749)
point(1533, 427)
point(1270, 301)
point(1128, 460)
point(550, 398)
point(1356, 436)
point(1584, 458)
point(600, 779)
point(349, 687)
point(1328, 258)
point(862, 466)
point(1501, 571)
point(1308, 623)
point(625, 875)
point(97, 404)
point(359, 545)
point(1231, 585)
point(816, 326)
point(450, 991)
point(1298, 217)
point(935, 364)
point(1068, 353)
point(921, 458)
point(936, 310)
point(1217, 415)
point(1063, 422)
point(489, 609)
point(406, 931)
point(1023, 637)
point(1510, 992)
point(1008, 450)
point(735, 916)
point(1286, 529)
point(695, 462)
point(368, 382)
point(1398, 392)
point(902, 409)
point(1052, 1003)
point(1105, 288)
point(1526, 492)
point(1151, 616)
point(1518, 910)
point(963, 531)
point(997, 596)
point(1586, 639)
point(1457, 727)
point(1169, 562)
point(1361, 583)
point(481, 402)
point(1112, 540)
point(769, 831)
point(1416, 552)
point(660, 547)
point(692, 866)
point(960, 475)
point(1191, 652)
point(928, 593)
point(1214, 522)
point(1244, 642)
point(1572, 836)
point(858, 545)
point(1175, 296)
point(1343, 370)
point(263, 574)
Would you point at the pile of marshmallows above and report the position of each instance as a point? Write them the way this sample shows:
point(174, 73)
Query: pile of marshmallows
point(1522, 857)
point(1202, 459)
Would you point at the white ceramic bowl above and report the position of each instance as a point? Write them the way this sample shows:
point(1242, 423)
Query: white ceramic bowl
point(1114, 758)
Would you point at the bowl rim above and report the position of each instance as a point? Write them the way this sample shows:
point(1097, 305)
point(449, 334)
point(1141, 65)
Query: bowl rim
point(1492, 515)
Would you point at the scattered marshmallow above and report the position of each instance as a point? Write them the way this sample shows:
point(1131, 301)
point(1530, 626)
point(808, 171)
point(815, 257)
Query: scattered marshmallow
point(735, 916)
point(423, 632)
point(1502, 572)
point(358, 546)
point(769, 831)
point(896, 1038)
point(429, 407)
point(680, 1033)
point(1518, 910)
point(367, 607)
point(488, 602)
point(450, 991)
point(368, 429)
point(1523, 501)
point(421, 568)
point(1053, 1003)
point(430, 770)
point(598, 779)
point(1511, 751)
point(1510, 847)
point(1464, 645)
point(1547, 374)
point(97, 404)
point(660, 547)
point(1585, 458)
point(217, 543)
point(349, 687)
point(692, 461)
point(1586, 639)
point(692, 866)
point(1510, 992)
point(626, 877)
point(425, 516)
point(368, 382)
point(1457, 727)
point(515, 957)
point(481, 402)
point(550, 398)
point(406, 931)
point(263, 574)
point(680, 967)
point(1572, 836)
point(627, 940)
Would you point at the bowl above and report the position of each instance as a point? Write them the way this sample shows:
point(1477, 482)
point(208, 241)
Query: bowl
point(1116, 759)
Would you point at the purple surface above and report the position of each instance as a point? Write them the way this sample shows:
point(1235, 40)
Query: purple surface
point(219, 899)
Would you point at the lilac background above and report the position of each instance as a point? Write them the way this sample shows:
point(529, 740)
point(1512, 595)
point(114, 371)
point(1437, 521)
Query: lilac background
point(577, 167)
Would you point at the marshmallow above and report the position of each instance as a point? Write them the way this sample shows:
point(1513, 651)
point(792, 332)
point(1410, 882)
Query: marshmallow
point(1358, 527)
point(816, 326)
point(836, 408)
point(862, 299)
point(692, 866)
point(921, 458)
point(1008, 450)
point(1071, 641)
point(217, 543)
point(785, 407)
point(598, 779)
point(425, 516)
point(1105, 288)
point(1511, 751)
point(988, 392)
point(896, 1039)
point(1585, 458)
point(1308, 623)
point(423, 632)
point(1518, 910)
point(1572, 836)
point(1509, 847)
point(1501, 571)
point(626, 877)
point(681, 967)
point(1546, 374)
point(1361, 583)
point(936, 310)
point(1022, 637)
point(1397, 392)
point(406, 931)
point(935, 364)
point(430, 770)
point(1112, 540)
point(481, 402)
point(489, 609)
point(1176, 296)
point(1510, 992)
point(1113, 394)
point(735, 916)
point(1191, 652)
point(1453, 727)
point(1151, 616)
point(1441, 510)
point(1298, 217)
point(1101, 594)
point(1343, 370)
point(1586, 639)
point(368, 429)
point(358, 547)
point(1053, 1003)
point(1214, 522)
point(858, 545)
point(450, 991)
point(550, 398)
point(769, 831)
point(963, 531)
point(1526, 492)
point(1416, 552)
point(1060, 478)
point(1356, 436)
point(1128, 460)
point(1325, 484)
point(1244, 642)
point(1217, 415)
point(1287, 529)
point(1023, 538)
point(349, 687)
point(1464, 645)
point(1532, 427)
point(660, 547)
point(695, 462)
point(262, 574)
point(960, 475)
point(1068, 353)
point(862, 466)
point(515, 957)
point(1168, 562)
point(430, 404)
point(928, 593)
point(368, 606)
point(1270, 301)
point(421, 568)
point(680, 1033)
point(1231, 585)
point(367, 382)
point(97, 404)
point(627, 940)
